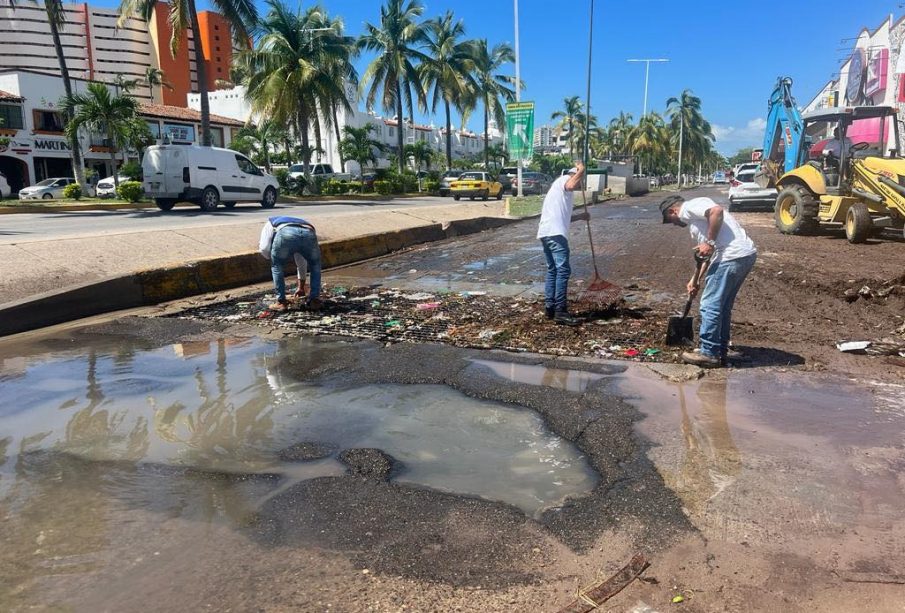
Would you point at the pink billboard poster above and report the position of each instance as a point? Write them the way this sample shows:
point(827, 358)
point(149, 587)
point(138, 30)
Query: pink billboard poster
point(877, 67)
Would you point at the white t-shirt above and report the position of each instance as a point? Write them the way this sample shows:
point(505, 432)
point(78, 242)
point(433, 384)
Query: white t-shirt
point(732, 242)
point(556, 216)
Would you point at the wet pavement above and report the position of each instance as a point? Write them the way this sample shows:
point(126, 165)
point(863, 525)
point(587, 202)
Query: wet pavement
point(261, 471)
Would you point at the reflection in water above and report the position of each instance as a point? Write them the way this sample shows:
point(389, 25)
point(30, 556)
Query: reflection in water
point(557, 378)
point(92, 437)
point(712, 461)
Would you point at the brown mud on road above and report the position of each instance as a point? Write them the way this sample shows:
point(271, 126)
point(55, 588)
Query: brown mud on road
point(805, 294)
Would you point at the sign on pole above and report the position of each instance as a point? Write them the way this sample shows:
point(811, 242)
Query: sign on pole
point(520, 129)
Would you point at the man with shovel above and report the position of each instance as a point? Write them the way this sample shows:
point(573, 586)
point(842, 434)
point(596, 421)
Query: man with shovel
point(553, 233)
point(732, 254)
point(284, 237)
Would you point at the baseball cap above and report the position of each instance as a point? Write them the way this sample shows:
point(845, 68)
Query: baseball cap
point(572, 171)
point(667, 203)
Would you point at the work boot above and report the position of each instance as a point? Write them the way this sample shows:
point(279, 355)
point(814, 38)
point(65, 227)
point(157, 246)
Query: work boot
point(549, 313)
point(562, 318)
point(700, 359)
point(315, 304)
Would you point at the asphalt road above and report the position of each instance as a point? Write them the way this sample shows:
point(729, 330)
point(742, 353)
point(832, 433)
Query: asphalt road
point(26, 227)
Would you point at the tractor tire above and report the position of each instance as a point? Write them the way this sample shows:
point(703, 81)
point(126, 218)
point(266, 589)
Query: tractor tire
point(858, 224)
point(499, 195)
point(485, 195)
point(165, 204)
point(210, 198)
point(732, 206)
point(456, 198)
point(796, 210)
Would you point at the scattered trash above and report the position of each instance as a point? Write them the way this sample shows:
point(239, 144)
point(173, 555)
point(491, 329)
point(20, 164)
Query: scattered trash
point(392, 323)
point(678, 599)
point(853, 346)
point(339, 289)
point(591, 598)
point(487, 334)
point(631, 353)
point(609, 322)
point(652, 351)
point(427, 306)
point(418, 296)
point(469, 294)
point(363, 298)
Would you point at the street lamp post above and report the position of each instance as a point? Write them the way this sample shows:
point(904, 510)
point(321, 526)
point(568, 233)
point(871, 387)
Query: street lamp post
point(518, 98)
point(647, 62)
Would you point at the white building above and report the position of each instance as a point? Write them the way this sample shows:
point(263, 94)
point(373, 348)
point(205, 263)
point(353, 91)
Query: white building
point(232, 103)
point(544, 138)
point(34, 146)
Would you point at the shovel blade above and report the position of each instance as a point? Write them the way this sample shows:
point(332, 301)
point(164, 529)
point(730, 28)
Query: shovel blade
point(680, 331)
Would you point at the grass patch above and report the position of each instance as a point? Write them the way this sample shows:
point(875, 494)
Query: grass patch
point(525, 206)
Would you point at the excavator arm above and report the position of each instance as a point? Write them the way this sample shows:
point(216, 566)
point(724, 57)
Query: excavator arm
point(782, 136)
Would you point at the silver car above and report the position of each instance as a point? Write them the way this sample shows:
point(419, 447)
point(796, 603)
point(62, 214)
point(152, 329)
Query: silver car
point(47, 189)
point(446, 178)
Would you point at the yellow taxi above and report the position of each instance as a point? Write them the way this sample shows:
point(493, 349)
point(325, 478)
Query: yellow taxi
point(476, 184)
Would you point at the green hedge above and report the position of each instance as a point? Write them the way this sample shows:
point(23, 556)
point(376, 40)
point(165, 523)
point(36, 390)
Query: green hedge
point(73, 190)
point(384, 188)
point(130, 190)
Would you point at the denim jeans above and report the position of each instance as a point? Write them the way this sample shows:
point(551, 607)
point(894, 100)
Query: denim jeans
point(724, 279)
point(556, 251)
point(288, 241)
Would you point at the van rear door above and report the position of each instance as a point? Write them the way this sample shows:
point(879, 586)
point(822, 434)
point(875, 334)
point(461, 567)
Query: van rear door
point(153, 168)
point(176, 162)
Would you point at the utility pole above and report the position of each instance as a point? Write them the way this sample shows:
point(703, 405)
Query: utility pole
point(647, 62)
point(518, 98)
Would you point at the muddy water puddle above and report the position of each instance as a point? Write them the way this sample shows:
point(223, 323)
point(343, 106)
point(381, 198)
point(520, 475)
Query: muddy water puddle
point(536, 374)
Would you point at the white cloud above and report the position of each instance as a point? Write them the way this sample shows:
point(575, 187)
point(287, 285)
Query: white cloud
point(730, 139)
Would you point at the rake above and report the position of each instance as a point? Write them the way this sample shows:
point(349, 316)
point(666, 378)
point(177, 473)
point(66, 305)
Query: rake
point(599, 292)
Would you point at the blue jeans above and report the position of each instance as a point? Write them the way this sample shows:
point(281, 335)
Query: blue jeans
point(556, 251)
point(724, 279)
point(288, 241)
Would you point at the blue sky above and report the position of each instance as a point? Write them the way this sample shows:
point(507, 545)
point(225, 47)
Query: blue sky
point(729, 56)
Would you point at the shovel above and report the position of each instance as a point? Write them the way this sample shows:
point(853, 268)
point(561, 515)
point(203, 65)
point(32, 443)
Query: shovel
point(680, 330)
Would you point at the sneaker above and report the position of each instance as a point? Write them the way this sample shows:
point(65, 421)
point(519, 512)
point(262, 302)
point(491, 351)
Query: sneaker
point(700, 359)
point(278, 306)
point(549, 313)
point(563, 318)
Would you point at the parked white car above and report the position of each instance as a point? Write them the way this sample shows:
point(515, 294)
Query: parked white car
point(745, 167)
point(47, 189)
point(205, 176)
point(742, 188)
point(5, 190)
point(106, 188)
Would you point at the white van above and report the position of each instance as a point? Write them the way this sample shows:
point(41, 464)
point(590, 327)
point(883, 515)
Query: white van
point(206, 176)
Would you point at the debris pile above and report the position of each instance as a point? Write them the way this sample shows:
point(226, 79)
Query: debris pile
point(465, 319)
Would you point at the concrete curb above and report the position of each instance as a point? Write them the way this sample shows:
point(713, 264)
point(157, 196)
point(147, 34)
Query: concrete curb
point(213, 274)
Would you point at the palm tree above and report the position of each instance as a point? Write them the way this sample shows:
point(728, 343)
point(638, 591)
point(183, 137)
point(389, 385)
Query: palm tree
point(240, 14)
point(358, 145)
point(259, 139)
point(421, 152)
point(650, 141)
point(493, 86)
point(571, 107)
point(447, 74)
point(339, 50)
point(100, 111)
point(56, 19)
point(619, 130)
point(584, 128)
point(694, 133)
point(395, 41)
point(291, 73)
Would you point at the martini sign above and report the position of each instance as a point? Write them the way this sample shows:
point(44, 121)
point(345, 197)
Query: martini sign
point(520, 129)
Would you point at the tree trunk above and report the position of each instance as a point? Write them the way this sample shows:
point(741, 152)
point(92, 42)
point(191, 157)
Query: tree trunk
point(266, 147)
point(571, 135)
point(399, 126)
point(448, 137)
point(318, 143)
point(339, 149)
point(306, 150)
point(486, 132)
point(113, 161)
point(75, 150)
point(288, 153)
point(201, 70)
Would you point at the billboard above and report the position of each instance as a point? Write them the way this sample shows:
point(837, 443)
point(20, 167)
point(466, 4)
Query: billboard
point(520, 129)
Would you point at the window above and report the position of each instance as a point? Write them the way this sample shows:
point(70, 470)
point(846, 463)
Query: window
point(216, 137)
point(245, 165)
point(48, 121)
point(179, 133)
point(154, 127)
point(391, 132)
point(217, 38)
point(11, 117)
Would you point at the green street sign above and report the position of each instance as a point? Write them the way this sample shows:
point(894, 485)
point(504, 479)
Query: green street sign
point(520, 129)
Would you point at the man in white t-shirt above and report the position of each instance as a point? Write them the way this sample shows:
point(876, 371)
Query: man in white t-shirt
point(732, 255)
point(553, 232)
